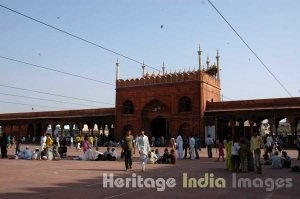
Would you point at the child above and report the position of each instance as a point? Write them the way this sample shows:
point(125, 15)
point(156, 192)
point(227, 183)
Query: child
point(221, 151)
point(173, 157)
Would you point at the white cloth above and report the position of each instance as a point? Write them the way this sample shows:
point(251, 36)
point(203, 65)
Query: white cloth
point(209, 141)
point(143, 146)
point(114, 154)
point(192, 147)
point(153, 158)
point(179, 144)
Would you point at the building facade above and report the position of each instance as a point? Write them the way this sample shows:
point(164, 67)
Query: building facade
point(166, 104)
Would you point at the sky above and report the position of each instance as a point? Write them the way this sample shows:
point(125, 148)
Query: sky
point(156, 32)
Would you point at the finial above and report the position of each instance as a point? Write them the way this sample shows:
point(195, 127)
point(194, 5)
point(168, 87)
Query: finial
point(207, 62)
point(199, 58)
point(117, 69)
point(163, 68)
point(143, 67)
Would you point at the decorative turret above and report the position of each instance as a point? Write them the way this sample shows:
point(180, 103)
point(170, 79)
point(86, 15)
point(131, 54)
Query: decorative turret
point(117, 70)
point(143, 68)
point(163, 68)
point(199, 57)
point(207, 62)
point(218, 65)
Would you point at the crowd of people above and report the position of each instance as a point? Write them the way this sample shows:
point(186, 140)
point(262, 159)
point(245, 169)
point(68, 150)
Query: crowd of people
point(241, 155)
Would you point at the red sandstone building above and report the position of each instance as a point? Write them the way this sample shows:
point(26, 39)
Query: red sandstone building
point(166, 104)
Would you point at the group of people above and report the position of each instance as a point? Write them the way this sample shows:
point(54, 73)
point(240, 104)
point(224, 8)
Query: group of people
point(187, 145)
point(147, 156)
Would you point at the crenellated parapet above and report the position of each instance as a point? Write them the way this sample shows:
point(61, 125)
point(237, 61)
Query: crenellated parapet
point(207, 75)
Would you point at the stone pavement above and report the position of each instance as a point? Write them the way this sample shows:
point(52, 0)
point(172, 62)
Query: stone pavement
point(84, 179)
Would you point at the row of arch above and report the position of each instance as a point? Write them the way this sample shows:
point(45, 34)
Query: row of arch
point(245, 128)
point(36, 130)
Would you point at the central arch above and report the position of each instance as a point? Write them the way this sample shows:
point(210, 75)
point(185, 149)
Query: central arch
point(155, 116)
point(159, 127)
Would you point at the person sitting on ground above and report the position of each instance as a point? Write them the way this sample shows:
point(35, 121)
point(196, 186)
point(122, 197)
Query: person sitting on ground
point(107, 154)
point(88, 155)
point(98, 155)
point(36, 154)
point(114, 155)
point(152, 158)
point(56, 155)
point(267, 158)
point(62, 150)
point(165, 158)
point(44, 154)
point(26, 154)
point(286, 160)
point(276, 161)
point(157, 154)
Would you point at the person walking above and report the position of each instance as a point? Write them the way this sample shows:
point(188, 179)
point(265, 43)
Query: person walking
point(179, 146)
point(128, 149)
point(144, 148)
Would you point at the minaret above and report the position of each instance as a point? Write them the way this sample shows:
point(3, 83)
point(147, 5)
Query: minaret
point(207, 62)
point(117, 70)
point(199, 57)
point(218, 64)
point(163, 68)
point(143, 67)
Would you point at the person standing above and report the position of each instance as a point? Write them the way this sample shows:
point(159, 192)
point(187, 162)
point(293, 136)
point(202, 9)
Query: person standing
point(179, 146)
point(228, 148)
point(192, 147)
point(4, 145)
point(128, 149)
point(197, 146)
point(144, 148)
point(256, 145)
point(220, 150)
point(209, 145)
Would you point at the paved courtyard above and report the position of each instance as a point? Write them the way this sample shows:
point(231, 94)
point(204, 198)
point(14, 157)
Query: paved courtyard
point(84, 179)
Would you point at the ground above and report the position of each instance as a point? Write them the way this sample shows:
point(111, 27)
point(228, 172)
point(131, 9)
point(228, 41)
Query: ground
point(84, 179)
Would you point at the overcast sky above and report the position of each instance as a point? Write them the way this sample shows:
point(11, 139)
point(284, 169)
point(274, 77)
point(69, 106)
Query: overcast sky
point(155, 31)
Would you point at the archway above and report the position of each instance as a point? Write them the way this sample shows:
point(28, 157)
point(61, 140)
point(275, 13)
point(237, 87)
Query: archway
point(159, 127)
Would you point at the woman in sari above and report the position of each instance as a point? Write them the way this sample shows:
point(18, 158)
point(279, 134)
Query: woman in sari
point(229, 164)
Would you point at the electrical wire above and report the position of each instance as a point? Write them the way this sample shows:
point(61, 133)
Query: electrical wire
point(57, 95)
point(43, 99)
point(55, 70)
point(32, 105)
point(247, 45)
point(78, 37)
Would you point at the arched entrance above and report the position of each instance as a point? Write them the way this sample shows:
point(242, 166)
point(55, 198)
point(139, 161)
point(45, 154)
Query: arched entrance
point(159, 127)
point(154, 120)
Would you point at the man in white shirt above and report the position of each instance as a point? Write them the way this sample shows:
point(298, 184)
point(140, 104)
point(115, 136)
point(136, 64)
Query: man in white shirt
point(143, 146)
